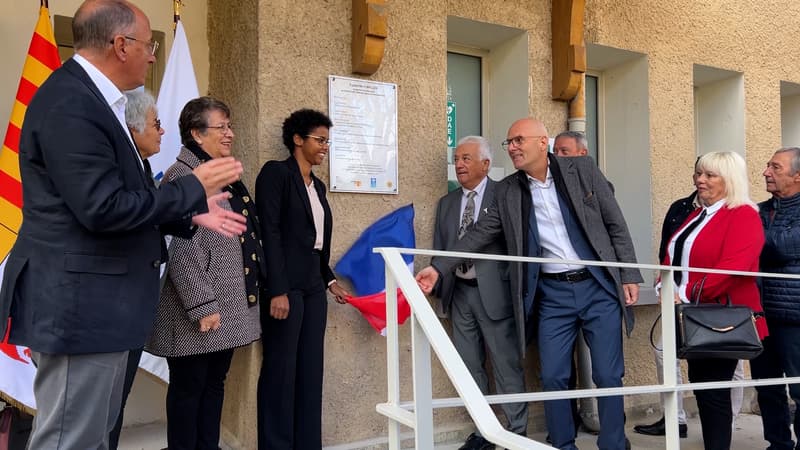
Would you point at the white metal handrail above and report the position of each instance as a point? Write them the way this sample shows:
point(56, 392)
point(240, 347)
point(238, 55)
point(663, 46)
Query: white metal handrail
point(427, 331)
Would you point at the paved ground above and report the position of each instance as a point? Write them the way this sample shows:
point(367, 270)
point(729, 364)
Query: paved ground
point(747, 436)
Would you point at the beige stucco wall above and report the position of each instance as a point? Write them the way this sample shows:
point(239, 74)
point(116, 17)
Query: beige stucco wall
point(299, 45)
point(733, 35)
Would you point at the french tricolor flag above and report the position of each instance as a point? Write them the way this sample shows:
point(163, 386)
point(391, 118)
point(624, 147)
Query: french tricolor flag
point(366, 270)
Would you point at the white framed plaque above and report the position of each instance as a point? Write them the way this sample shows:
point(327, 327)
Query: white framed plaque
point(363, 152)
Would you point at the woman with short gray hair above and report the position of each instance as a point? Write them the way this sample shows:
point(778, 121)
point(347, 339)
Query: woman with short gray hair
point(209, 303)
point(141, 116)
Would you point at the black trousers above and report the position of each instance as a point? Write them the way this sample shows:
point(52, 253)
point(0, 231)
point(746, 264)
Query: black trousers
point(290, 383)
point(130, 374)
point(714, 405)
point(194, 400)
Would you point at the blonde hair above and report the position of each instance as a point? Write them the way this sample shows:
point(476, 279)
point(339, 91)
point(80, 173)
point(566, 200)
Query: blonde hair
point(733, 170)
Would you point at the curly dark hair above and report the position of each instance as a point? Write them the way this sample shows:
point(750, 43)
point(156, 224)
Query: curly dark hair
point(302, 122)
point(194, 116)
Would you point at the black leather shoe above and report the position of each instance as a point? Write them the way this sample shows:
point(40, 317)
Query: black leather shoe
point(659, 429)
point(475, 442)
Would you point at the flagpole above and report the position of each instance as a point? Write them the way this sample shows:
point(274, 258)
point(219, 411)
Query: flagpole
point(176, 7)
point(16, 369)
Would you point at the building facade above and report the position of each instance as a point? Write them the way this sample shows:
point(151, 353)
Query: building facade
point(665, 82)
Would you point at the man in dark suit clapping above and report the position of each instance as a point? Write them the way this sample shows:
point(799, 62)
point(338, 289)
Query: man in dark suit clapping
point(81, 283)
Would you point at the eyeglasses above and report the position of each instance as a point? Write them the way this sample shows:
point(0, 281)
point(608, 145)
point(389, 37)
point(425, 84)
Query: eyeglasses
point(157, 125)
point(152, 46)
point(320, 140)
point(517, 141)
point(224, 128)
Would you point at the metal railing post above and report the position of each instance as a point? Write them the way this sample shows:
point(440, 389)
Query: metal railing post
point(427, 335)
point(669, 359)
point(392, 356)
point(423, 392)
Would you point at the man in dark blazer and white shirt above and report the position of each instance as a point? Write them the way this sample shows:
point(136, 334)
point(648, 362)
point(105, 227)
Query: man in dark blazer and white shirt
point(81, 283)
point(561, 208)
point(476, 295)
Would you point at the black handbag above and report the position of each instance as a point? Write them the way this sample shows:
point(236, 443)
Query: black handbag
point(715, 330)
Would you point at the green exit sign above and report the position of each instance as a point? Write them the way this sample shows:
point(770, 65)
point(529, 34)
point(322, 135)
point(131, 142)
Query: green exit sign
point(451, 124)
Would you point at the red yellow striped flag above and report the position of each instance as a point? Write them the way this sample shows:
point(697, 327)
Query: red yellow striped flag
point(16, 370)
point(41, 61)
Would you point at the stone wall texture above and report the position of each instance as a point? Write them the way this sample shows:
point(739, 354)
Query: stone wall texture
point(269, 58)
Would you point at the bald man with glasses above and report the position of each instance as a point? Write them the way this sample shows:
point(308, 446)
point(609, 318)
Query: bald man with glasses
point(561, 208)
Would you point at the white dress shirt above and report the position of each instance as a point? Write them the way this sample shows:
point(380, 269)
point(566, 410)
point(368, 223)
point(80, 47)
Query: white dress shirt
point(319, 215)
point(112, 95)
point(687, 246)
point(553, 236)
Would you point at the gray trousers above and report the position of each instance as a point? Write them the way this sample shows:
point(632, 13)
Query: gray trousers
point(473, 332)
point(77, 400)
point(659, 354)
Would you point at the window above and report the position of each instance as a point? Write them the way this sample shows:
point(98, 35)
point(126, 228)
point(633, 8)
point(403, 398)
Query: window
point(487, 78)
point(790, 114)
point(618, 127)
point(464, 88)
point(718, 110)
point(62, 29)
point(592, 114)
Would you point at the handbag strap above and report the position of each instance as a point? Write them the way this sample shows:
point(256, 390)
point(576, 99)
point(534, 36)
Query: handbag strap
point(697, 291)
point(652, 332)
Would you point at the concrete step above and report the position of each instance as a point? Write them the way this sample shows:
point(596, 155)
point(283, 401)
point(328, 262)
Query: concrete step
point(746, 436)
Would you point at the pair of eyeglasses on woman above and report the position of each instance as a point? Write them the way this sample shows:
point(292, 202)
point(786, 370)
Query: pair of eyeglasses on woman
point(157, 124)
point(320, 139)
point(222, 128)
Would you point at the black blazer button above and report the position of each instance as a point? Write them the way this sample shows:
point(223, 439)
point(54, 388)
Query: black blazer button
point(156, 263)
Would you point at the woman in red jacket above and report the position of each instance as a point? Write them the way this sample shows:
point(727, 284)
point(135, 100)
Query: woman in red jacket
point(726, 233)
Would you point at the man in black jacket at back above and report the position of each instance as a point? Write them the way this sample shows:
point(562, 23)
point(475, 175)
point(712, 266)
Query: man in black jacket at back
point(676, 215)
point(780, 216)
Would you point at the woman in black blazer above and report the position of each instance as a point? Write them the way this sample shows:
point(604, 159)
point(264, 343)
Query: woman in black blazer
point(296, 226)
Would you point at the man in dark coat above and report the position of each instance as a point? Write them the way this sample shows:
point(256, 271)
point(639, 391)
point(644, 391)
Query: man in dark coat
point(81, 283)
point(781, 253)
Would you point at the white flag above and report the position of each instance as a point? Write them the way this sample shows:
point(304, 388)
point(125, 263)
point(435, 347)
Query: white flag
point(17, 372)
point(178, 86)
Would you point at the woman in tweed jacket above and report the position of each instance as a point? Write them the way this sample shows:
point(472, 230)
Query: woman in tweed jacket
point(209, 303)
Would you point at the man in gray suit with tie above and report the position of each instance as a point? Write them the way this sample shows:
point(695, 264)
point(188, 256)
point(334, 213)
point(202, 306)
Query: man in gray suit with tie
point(476, 294)
point(561, 208)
